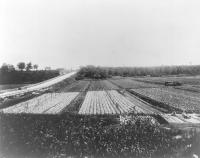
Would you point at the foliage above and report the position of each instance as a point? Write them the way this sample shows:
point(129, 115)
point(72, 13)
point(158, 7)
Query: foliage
point(35, 66)
point(92, 72)
point(76, 136)
point(21, 65)
point(7, 68)
point(21, 77)
point(105, 72)
point(29, 66)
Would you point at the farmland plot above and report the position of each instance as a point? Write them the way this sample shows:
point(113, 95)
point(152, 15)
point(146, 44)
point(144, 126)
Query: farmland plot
point(142, 106)
point(191, 80)
point(190, 88)
point(101, 85)
point(49, 103)
point(78, 86)
point(177, 100)
point(129, 83)
point(181, 92)
point(106, 102)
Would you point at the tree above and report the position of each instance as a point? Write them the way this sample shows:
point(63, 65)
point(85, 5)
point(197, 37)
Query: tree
point(4, 68)
point(29, 66)
point(21, 65)
point(11, 68)
point(35, 66)
point(7, 68)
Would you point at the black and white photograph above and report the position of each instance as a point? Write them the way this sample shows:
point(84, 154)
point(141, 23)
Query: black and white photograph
point(99, 79)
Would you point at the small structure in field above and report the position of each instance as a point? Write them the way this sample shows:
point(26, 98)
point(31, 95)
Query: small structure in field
point(172, 83)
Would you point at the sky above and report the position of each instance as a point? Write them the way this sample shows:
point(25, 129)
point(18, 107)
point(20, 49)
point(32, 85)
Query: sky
point(72, 33)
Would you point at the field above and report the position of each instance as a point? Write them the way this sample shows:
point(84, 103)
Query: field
point(76, 86)
point(129, 83)
point(110, 97)
point(177, 100)
point(181, 91)
point(190, 83)
point(190, 80)
point(117, 117)
point(102, 85)
point(106, 102)
point(49, 103)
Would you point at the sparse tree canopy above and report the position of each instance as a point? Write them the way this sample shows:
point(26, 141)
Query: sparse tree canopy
point(35, 66)
point(29, 66)
point(4, 68)
point(21, 65)
point(7, 68)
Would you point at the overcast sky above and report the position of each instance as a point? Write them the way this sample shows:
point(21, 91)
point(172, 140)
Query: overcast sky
point(70, 33)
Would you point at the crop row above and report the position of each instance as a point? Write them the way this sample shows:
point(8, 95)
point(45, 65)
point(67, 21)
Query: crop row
point(142, 106)
point(77, 86)
point(102, 85)
point(129, 83)
point(49, 103)
point(106, 102)
point(180, 91)
point(177, 100)
point(191, 80)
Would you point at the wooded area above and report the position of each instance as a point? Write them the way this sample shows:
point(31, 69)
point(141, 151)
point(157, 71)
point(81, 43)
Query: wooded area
point(106, 72)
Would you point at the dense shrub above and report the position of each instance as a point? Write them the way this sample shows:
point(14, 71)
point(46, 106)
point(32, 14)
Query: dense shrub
point(80, 136)
point(20, 77)
point(92, 72)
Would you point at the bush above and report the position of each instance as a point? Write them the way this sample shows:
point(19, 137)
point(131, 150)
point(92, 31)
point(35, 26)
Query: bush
point(21, 77)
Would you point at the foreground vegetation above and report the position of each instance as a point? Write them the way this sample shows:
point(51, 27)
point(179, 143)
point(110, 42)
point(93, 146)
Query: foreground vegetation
point(77, 136)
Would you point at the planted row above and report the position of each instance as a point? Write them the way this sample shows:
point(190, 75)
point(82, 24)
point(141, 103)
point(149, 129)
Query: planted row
point(106, 102)
point(177, 100)
point(50, 103)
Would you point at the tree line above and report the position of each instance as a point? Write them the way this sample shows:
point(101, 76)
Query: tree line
point(106, 72)
point(25, 73)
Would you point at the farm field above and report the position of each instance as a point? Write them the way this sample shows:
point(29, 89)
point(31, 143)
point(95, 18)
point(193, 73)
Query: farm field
point(190, 88)
point(77, 86)
point(99, 117)
point(129, 83)
point(177, 100)
point(181, 91)
point(49, 103)
point(145, 108)
point(101, 97)
point(101, 85)
point(191, 80)
point(107, 102)
point(189, 83)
